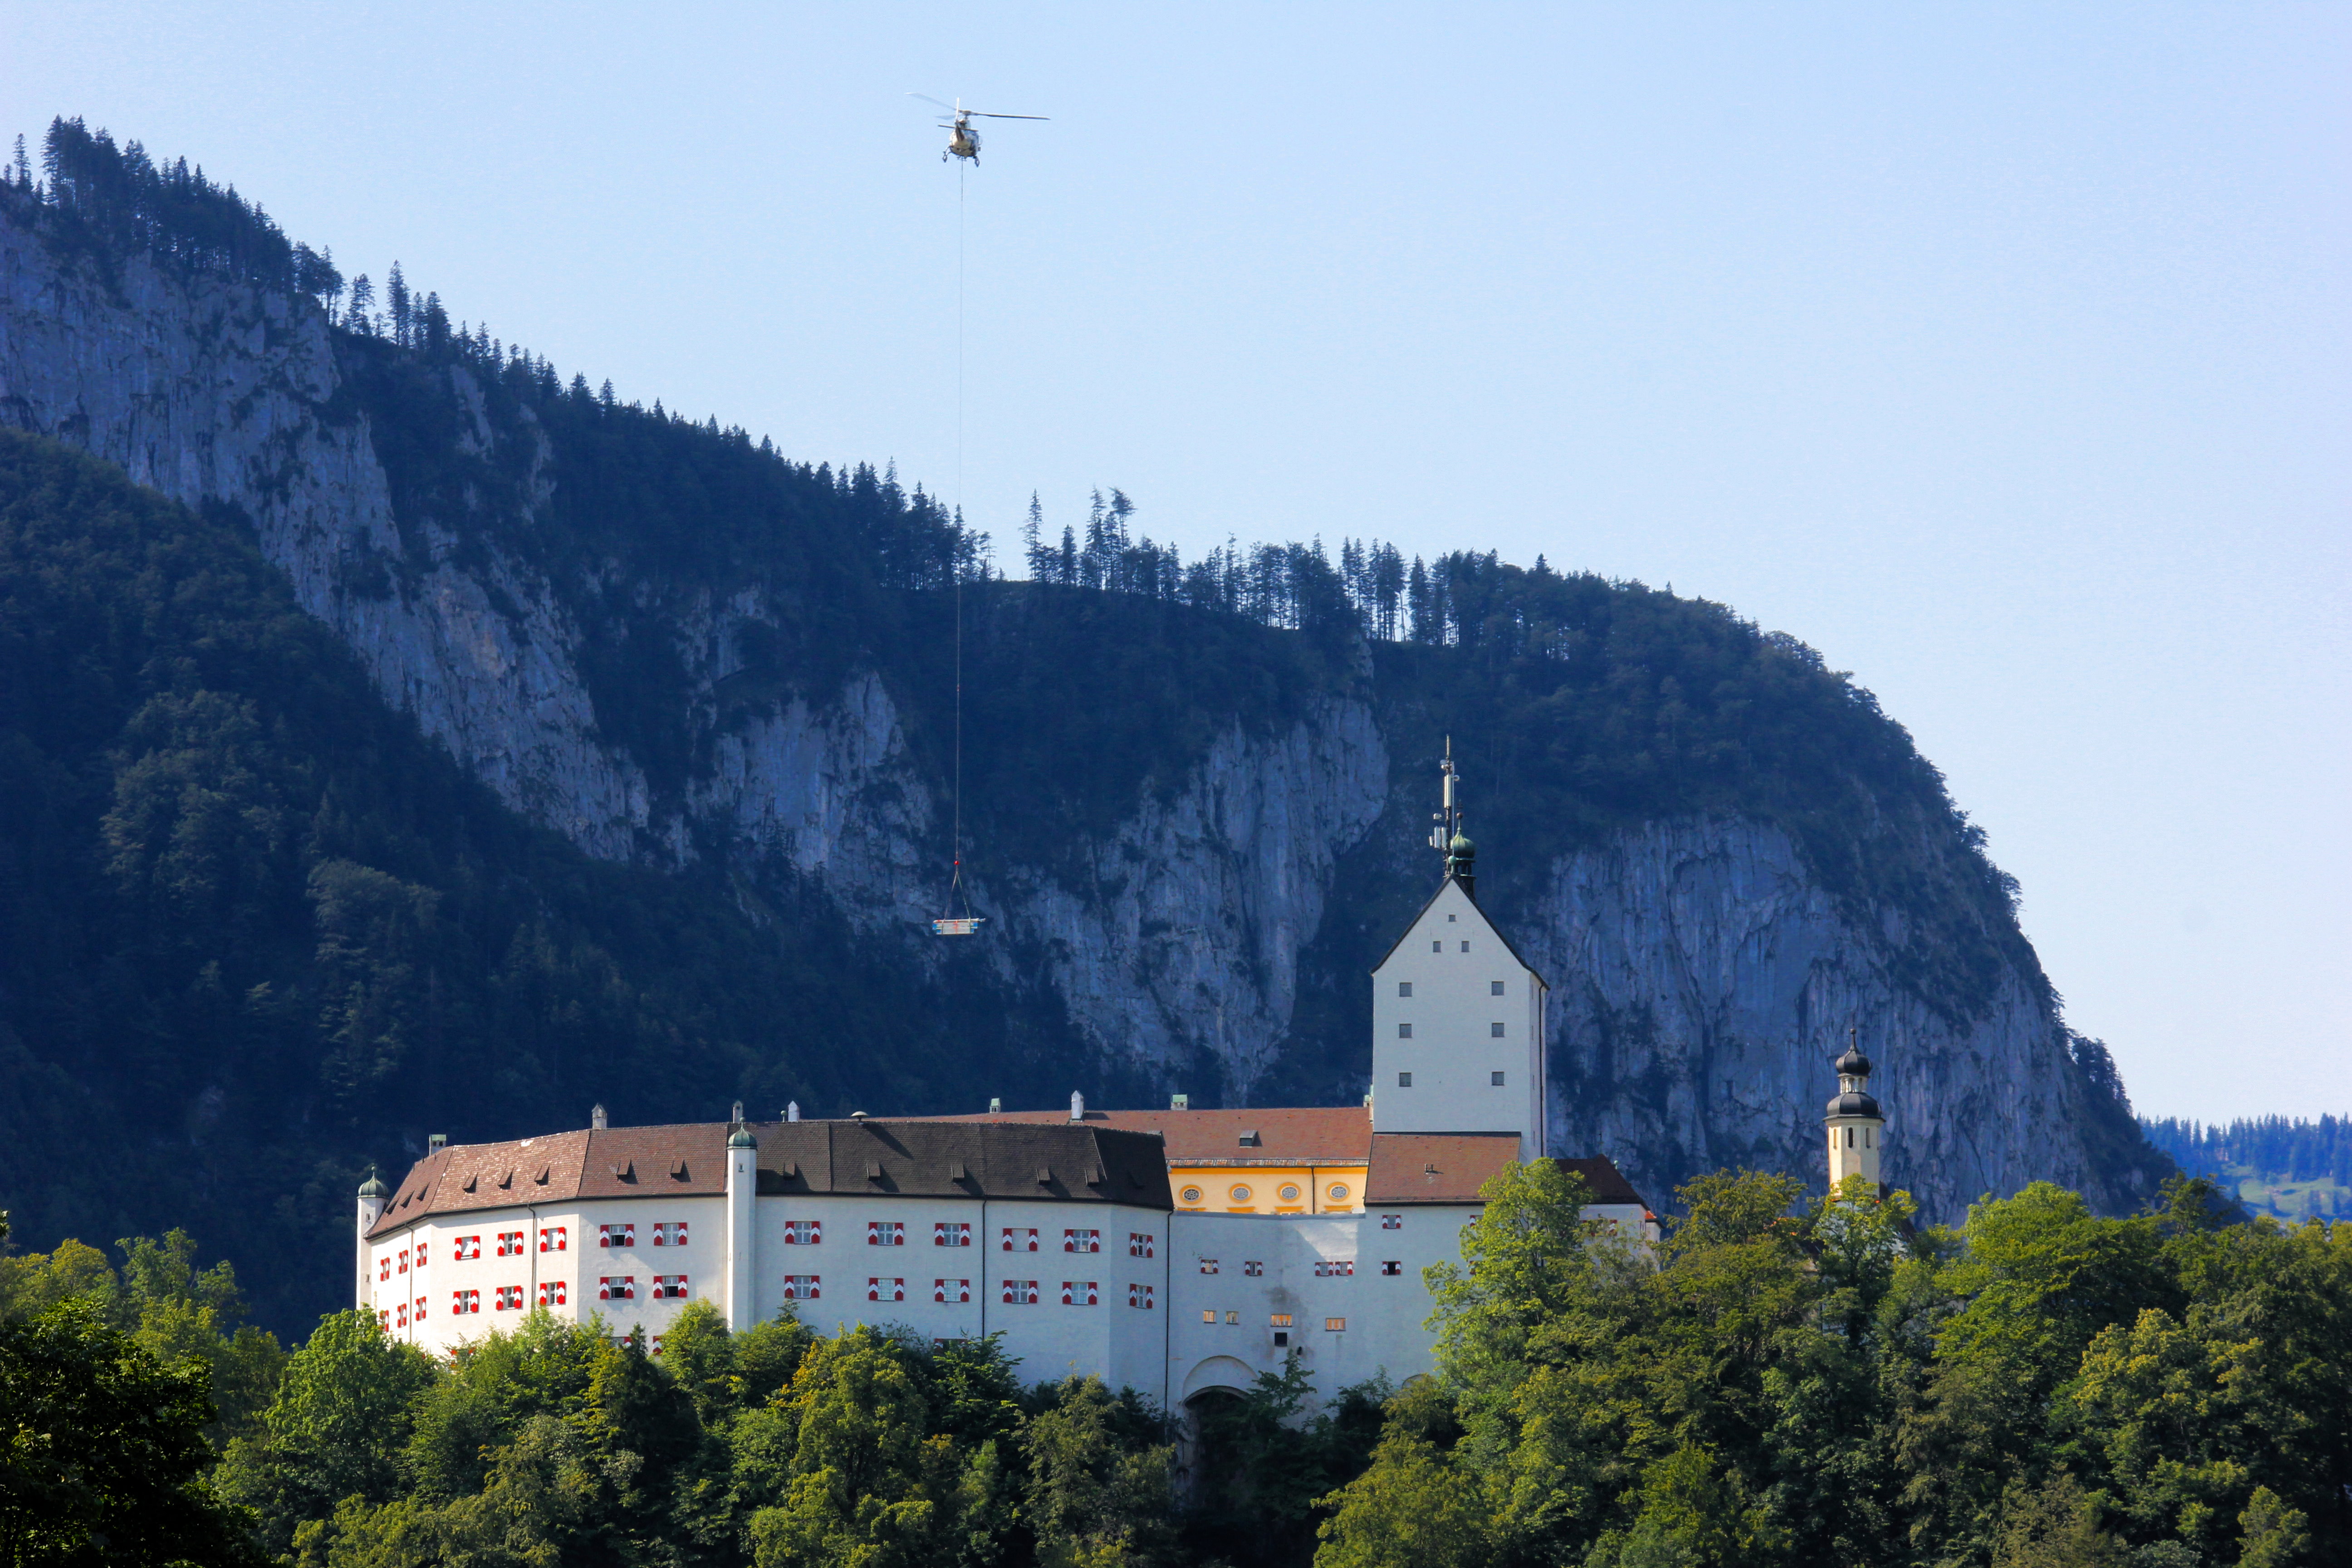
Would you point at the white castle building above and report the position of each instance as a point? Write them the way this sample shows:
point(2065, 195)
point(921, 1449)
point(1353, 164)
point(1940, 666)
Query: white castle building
point(1171, 1251)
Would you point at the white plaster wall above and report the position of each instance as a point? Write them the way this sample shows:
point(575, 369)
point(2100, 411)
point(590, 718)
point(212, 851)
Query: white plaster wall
point(1453, 1054)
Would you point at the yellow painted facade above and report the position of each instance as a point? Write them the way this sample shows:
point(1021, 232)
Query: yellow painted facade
point(1269, 1189)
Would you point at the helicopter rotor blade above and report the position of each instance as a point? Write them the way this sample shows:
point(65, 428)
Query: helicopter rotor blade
point(926, 98)
point(983, 114)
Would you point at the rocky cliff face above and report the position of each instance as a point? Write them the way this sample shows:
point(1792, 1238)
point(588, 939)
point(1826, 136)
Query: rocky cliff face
point(1701, 976)
point(1701, 980)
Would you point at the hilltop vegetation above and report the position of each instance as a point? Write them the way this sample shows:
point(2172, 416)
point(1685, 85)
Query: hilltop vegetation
point(1775, 1385)
point(2287, 1167)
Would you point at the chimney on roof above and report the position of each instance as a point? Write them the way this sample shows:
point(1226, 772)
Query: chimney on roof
point(1180, 1103)
point(792, 1110)
point(596, 1118)
point(1077, 1106)
point(436, 1141)
point(995, 1106)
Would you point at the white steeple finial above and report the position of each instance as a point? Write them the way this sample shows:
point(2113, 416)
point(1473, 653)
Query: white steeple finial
point(792, 1110)
point(1077, 1106)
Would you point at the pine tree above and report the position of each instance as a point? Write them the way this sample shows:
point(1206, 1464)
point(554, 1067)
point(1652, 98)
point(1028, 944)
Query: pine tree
point(1040, 560)
point(396, 299)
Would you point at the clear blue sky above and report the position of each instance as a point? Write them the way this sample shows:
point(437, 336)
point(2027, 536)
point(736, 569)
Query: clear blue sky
point(2001, 354)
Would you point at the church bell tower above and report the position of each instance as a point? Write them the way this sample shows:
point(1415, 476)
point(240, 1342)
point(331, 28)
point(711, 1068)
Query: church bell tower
point(1857, 1131)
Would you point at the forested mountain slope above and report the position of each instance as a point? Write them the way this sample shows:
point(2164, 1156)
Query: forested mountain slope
point(669, 785)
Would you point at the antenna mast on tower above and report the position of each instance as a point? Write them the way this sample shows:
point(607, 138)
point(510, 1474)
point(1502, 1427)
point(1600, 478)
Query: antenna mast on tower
point(1448, 821)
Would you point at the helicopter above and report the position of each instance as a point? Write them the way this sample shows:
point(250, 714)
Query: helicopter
point(963, 141)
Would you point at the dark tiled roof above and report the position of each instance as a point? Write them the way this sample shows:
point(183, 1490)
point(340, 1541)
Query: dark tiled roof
point(939, 1157)
point(1608, 1183)
point(1297, 1135)
point(1078, 1164)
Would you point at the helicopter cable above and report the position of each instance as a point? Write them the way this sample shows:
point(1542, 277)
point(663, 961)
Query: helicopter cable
point(955, 560)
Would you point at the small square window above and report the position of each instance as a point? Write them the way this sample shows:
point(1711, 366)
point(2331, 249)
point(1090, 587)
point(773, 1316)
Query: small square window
point(1494, 988)
point(1404, 1080)
point(1404, 987)
point(1335, 1325)
point(1495, 1031)
point(1465, 944)
point(1208, 1265)
point(1438, 946)
point(1404, 1031)
point(1495, 1078)
point(1252, 1270)
point(1451, 919)
point(1207, 1315)
point(1392, 1267)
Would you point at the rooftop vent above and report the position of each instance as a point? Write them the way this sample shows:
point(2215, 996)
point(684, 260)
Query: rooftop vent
point(956, 1170)
point(792, 1112)
point(596, 1118)
point(858, 1116)
point(678, 1170)
point(626, 1171)
point(1250, 1140)
point(995, 1106)
point(1077, 1106)
point(873, 1170)
point(1180, 1103)
point(1045, 1175)
point(435, 1142)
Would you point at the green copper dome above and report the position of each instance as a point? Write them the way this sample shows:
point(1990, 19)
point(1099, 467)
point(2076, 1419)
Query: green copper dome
point(1462, 848)
point(741, 1139)
point(372, 1188)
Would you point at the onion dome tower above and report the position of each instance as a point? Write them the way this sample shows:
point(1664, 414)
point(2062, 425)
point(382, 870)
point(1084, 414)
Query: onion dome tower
point(373, 1195)
point(1857, 1130)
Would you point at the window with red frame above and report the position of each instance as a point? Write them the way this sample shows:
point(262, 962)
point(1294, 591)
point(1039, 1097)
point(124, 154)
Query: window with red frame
point(803, 1287)
point(551, 1293)
point(1019, 1240)
point(463, 1302)
point(803, 1232)
point(670, 1233)
point(509, 1299)
point(1082, 1241)
point(1334, 1267)
point(886, 1290)
point(465, 1248)
point(1138, 1245)
point(951, 1233)
point(1021, 1292)
point(669, 1287)
point(886, 1232)
point(1080, 1293)
point(404, 1260)
point(555, 1238)
point(383, 1265)
point(617, 1288)
point(510, 1243)
point(617, 1236)
point(952, 1291)
point(1139, 1296)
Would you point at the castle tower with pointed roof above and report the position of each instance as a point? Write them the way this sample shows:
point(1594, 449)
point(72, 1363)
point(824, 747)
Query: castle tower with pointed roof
point(1458, 1015)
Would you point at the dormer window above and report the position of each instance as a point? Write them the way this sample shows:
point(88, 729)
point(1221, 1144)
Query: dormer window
point(1250, 1140)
